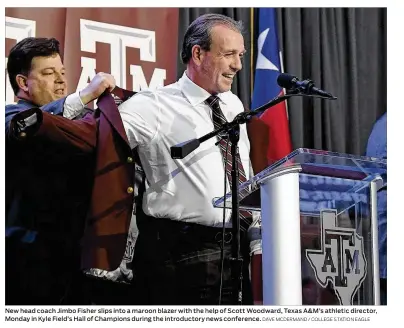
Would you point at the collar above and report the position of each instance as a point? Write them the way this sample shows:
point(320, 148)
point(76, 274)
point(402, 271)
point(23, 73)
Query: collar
point(195, 94)
point(26, 103)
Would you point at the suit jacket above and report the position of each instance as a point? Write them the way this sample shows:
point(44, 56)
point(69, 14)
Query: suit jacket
point(102, 137)
point(34, 163)
point(112, 198)
point(45, 212)
point(36, 189)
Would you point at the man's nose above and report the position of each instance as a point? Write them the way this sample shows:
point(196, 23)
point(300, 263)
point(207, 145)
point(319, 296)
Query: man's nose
point(60, 78)
point(237, 64)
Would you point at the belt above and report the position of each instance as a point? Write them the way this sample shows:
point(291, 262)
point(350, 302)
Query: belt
point(166, 226)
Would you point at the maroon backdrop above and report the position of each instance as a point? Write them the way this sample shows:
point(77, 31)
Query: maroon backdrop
point(137, 46)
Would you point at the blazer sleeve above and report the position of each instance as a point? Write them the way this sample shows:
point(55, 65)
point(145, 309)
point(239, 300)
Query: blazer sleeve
point(55, 108)
point(34, 126)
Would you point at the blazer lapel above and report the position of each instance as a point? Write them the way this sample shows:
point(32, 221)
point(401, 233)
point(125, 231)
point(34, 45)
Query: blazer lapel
point(108, 107)
point(121, 95)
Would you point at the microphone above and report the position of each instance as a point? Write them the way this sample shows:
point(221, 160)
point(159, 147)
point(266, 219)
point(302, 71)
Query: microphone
point(289, 81)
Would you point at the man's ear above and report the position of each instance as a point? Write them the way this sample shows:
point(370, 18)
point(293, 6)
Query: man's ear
point(197, 54)
point(22, 82)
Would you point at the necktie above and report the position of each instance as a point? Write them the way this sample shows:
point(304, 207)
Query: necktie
point(218, 120)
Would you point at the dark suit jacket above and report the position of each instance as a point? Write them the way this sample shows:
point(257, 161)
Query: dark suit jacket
point(45, 213)
point(34, 163)
point(111, 183)
point(35, 189)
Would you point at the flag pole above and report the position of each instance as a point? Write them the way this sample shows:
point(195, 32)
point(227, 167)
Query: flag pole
point(252, 53)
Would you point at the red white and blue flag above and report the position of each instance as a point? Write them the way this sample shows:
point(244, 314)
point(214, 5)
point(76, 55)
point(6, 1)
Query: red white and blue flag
point(268, 68)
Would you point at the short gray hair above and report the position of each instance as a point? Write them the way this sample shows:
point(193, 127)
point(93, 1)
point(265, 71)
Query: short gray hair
point(199, 33)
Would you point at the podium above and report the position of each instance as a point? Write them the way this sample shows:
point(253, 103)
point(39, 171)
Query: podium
point(318, 227)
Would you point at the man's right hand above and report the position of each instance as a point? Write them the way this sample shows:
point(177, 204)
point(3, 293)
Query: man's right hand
point(100, 83)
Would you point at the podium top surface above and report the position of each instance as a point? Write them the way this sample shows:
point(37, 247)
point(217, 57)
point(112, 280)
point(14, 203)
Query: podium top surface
point(319, 170)
point(332, 164)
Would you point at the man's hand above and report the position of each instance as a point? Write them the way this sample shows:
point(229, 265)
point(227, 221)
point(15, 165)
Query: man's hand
point(100, 83)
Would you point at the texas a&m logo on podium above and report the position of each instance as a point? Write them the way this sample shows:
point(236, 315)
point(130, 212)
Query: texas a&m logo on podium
point(341, 259)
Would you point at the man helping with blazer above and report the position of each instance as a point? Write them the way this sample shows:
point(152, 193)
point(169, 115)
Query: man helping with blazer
point(47, 191)
point(112, 196)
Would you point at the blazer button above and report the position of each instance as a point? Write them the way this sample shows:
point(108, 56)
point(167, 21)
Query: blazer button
point(129, 160)
point(129, 190)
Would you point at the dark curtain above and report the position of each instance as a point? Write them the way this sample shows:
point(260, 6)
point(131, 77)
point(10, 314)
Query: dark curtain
point(343, 50)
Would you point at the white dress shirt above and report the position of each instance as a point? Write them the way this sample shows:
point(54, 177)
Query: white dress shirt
point(73, 106)
point(181, 189)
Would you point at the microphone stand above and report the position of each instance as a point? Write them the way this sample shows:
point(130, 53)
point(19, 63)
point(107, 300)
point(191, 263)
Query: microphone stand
point(232, 129)
point(236, 260)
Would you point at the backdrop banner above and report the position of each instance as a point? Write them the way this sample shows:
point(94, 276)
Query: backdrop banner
point(138, 51)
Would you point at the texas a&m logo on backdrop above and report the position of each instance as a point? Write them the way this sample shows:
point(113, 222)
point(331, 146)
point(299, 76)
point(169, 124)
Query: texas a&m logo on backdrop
point(124, 42)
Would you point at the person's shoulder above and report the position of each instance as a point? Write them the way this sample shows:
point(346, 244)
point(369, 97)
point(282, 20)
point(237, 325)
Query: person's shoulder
point(141, 98)
point(381, 124)
point(377, 141)
point(11, 109)
point(144, 100)
point(233, 101)
point(383, 119)
point(170, 90)
point(159, 91)
point(13, 106)
point(230, 96)
point(153, 96)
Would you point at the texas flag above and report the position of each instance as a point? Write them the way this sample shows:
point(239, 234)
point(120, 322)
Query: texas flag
point(265, 87)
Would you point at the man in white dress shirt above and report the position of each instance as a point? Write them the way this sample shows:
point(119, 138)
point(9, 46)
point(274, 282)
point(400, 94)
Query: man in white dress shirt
point(178, 253)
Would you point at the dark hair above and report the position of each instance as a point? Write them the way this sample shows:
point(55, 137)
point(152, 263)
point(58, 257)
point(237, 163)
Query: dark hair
point(21, 55)
point(199, 33)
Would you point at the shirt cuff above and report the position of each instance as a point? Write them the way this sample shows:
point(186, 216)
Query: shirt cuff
point(255, 241)
point(255, 235)
point(73, 106)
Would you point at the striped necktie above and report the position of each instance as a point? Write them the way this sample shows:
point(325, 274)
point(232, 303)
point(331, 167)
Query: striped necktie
point(219, 120)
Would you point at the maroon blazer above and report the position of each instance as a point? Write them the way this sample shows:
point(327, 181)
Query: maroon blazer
point(112, 198)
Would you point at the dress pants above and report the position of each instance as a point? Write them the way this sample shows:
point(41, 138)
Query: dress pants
point(180, 264)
